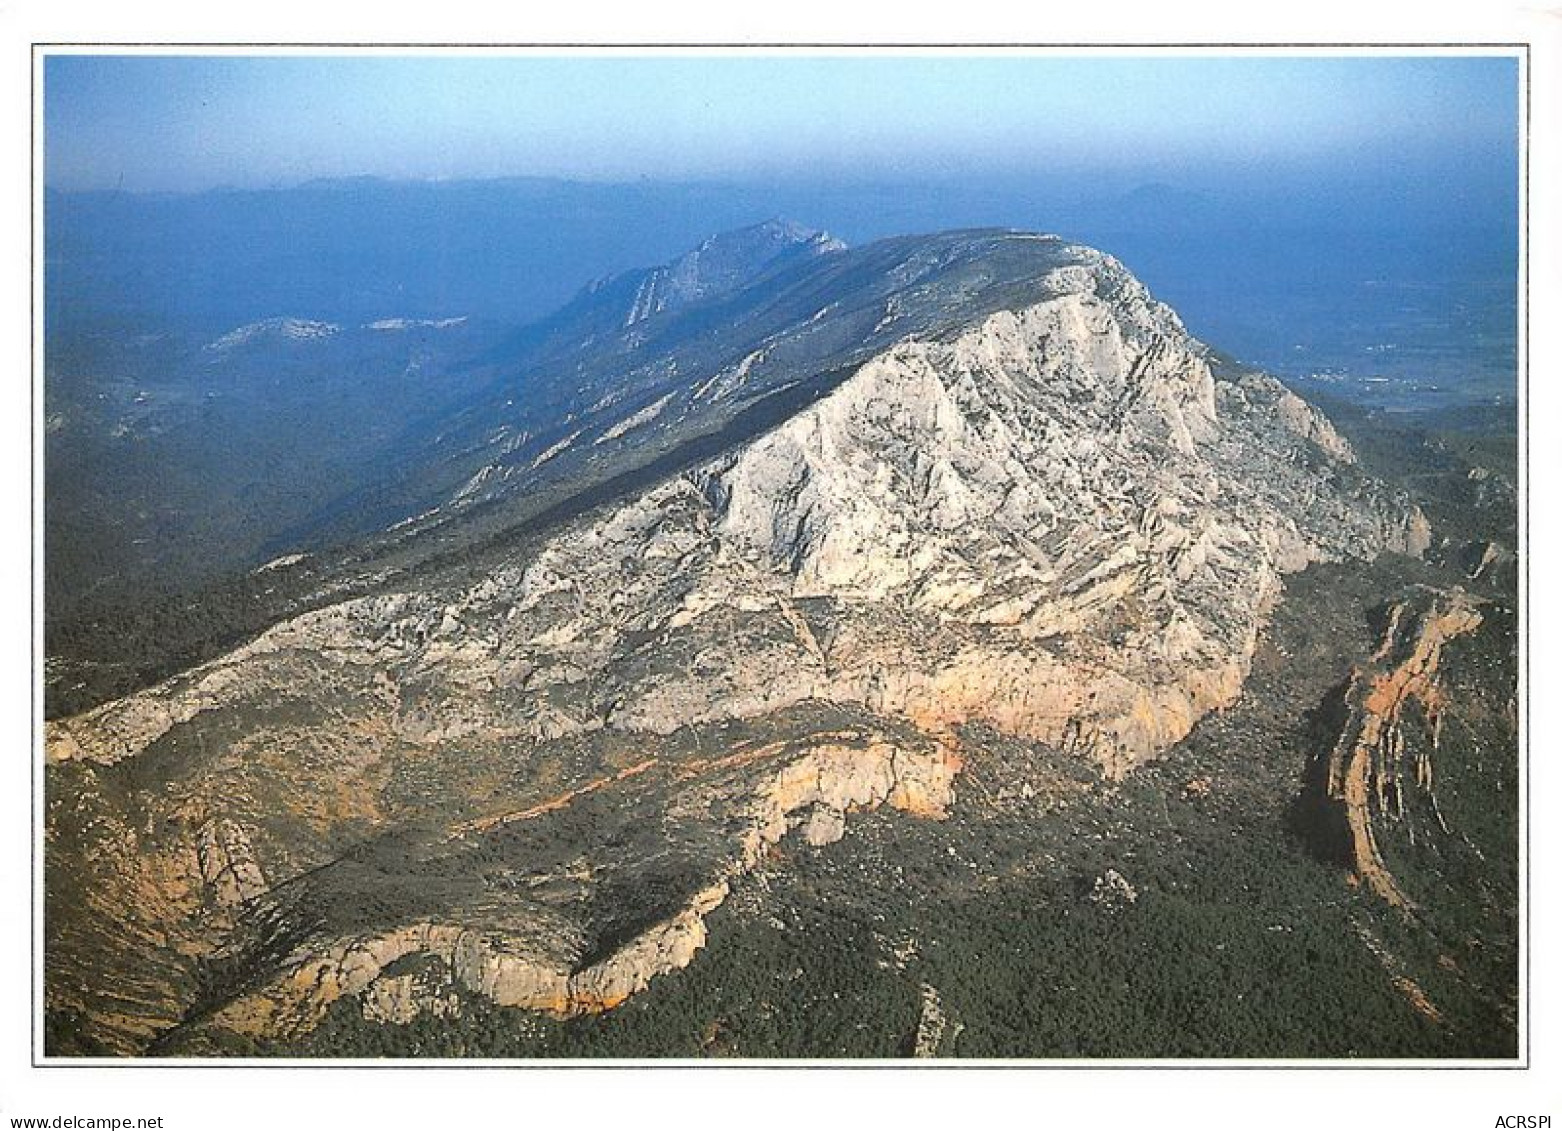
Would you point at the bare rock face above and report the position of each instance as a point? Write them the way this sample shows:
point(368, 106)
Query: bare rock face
point(1112, 889)
point(1054, 521)
point(228, 864)
point(1058, 508)
point(722, 263)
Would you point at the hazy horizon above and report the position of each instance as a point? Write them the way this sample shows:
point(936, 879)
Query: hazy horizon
point(188, 123)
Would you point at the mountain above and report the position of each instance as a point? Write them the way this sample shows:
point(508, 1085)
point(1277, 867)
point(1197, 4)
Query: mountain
point(722, 563)
point(174, 468)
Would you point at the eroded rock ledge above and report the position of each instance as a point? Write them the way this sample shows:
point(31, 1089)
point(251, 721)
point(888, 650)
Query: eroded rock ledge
point(809, 786)
point(1370, 769)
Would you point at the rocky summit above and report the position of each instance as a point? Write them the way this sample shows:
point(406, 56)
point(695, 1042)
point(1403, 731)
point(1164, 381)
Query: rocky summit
point(775, 540)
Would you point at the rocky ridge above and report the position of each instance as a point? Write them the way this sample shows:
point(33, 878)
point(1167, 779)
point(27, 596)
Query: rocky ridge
point(1371, 769)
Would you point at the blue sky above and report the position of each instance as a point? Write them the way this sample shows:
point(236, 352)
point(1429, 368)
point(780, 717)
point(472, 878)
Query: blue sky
point(169, 122)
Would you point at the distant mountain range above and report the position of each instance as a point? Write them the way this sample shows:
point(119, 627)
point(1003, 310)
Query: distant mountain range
point(363, 249)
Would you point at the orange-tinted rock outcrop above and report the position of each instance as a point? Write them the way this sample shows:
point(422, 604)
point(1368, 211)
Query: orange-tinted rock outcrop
point(1371, 766)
